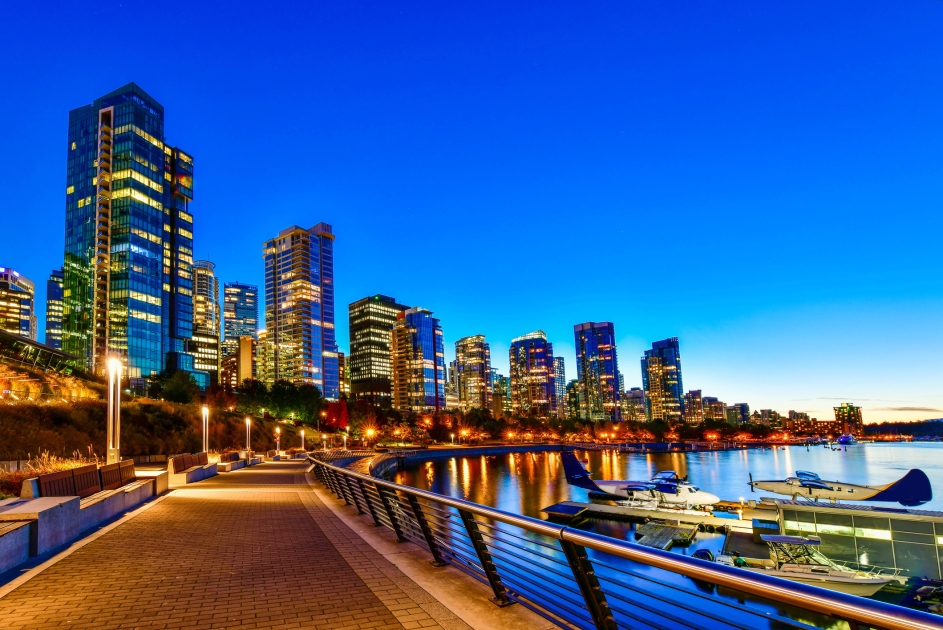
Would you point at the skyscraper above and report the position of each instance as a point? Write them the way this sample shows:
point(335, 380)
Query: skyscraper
point(713, 409)
point(418, 353)
point(17, 304)
point(206, 319)
point(559, 386)
point(661, 379)
point(693, 408)
point(533, 390)
point(240, 314)
point(127, 278)
point(849, 416)
point(343, 374)
point(737, 414)
point(299, 307)
point(573, 399)
point(370, 362)
point(500, 395)
point(633, 405)
point(597, 370)
point(473, 372)
point(54, 309)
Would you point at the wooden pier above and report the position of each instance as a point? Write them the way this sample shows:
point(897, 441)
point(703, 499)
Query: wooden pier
point(664, 536)
point(704, 520)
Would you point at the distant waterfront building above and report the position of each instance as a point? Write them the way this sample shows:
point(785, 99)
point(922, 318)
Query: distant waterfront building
point(473, 372)
point(533, 391)
point(17, 304)
point(54, 309)
point(370, 362)
point(206, 319)
point(239, 365)
point(633, 405)
point(240, 314)
point(714, 409)
point(572, 404)
point(299, 307)
point(737, 414)
point(418, 353)
point(265, 358)
point(559, 385)
point(849, 416)
point(127, 277)
point(767, 417)
point(661, 379)
point(693, 408)
point(451, 381)
point(500, 395)
point(343, 373)
point(597, 370)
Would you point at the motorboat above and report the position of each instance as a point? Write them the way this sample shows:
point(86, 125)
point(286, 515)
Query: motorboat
point(664, 488)
point(910, 490)
point(847, 439)
point(799, 559)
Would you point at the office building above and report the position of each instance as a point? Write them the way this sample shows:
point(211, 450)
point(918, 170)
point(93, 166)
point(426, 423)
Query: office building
point(500, 395)
point(559, 386)
point(572, 403)
point(17, 304)
point(239, 365)
point(533, 390)
point(206, 319)
point(714, 410)
point(264, 358)
point(849, 416)
point(633, 405)
point(693, 408)
point(737, 414)
point(661, 380)
point(597, 370)
point(418, 354)
point(299, 307)
point(54, 309)
point(127, 277)
point(343, 373)
point(370, 362)
point(473, 372)
point(240, 314)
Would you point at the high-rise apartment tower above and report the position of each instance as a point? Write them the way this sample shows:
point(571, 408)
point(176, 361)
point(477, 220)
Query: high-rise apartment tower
point(418, 353)
point(473, 372)
point(370, 362)
point(54, 309)
point(597, 370)
point(661, 379)
point(533, 389)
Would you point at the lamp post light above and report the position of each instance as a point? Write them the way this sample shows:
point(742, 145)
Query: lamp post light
point(452, 437)
point(114, 411)
point(302, 439)
point(324, 441)
point(278, 439)
point(323, 415)
point(206, 428)
point(345, 441)
point(464, 435)
point(248, 435)
point(369, 437)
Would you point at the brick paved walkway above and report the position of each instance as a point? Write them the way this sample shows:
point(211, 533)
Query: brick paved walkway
point(250, 549)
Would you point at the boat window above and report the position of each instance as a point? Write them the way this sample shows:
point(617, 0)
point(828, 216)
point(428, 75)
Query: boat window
point(692, 489)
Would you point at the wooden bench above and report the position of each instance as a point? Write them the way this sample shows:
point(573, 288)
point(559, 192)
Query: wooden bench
point(188, 468)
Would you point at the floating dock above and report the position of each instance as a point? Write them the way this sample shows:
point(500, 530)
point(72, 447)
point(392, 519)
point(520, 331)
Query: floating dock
point(705, 520)
point(664, 536)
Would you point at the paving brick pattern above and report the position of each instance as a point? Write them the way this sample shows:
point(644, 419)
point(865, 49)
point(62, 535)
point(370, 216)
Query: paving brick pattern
point(250, 549)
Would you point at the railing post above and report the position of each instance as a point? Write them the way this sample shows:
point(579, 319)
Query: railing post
point(389, 513)
point(366, 498)
point(487, 564)
point(589, 586)
point(341, 491)
point(437, 560)
point(353, 495)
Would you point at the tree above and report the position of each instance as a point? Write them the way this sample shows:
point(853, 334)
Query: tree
point(181, 387)
point(251, 395)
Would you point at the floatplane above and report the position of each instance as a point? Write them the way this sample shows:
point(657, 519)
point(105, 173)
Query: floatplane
point(910, 490)
point(664, 488)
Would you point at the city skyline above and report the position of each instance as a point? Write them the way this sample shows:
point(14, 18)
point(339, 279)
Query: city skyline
point(834, 275)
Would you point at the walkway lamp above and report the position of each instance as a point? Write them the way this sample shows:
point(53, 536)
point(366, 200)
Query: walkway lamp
point(345, 441)
point(206, 427)
point(323, 415)
point(452, 437)
point(369, 437)
point(302, 439)
point(248, 435)
point(278, 439)
point(324, 441)
point(114, 411)
point(464, 435)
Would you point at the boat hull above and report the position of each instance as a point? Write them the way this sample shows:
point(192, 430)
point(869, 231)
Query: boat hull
point(862, 587)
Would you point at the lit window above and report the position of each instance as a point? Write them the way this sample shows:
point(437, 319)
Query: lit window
point(70, 190)
point(73, 146)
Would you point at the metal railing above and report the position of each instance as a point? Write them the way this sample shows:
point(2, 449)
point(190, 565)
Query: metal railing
point(578, 579)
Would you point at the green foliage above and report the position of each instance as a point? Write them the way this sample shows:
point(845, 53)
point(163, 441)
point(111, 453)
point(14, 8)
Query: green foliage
point(283, 400)
point(181, 387)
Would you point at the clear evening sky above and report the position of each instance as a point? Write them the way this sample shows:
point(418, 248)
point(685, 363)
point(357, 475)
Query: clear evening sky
point(761, 179)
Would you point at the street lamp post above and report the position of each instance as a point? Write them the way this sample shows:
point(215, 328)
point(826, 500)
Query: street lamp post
point(248, 435)
point(206, 427)
point(452, 437)
point(345, 441)
point(324, 441)
point(278, 439)
point(302, 439)
point(323, 415)
point(114, 411)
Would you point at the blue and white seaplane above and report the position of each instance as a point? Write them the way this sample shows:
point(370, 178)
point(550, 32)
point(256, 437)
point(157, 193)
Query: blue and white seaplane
point(664, 488)
point(910, 490)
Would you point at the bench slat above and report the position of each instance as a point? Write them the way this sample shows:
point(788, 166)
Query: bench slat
point(87, 481)
point(111, 476)
point(57, 484)
point(126, 470)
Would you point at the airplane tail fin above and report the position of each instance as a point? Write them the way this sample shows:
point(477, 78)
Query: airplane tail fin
point(576, 475)
point(910, 490)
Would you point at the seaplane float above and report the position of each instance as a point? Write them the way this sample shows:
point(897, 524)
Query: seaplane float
point(665, 488)
point(911, 490)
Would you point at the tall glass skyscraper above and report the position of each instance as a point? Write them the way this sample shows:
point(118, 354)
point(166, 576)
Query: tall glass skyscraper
point(661, 380)
point(127, 277)
point(418, 353)
point(559, 385)
point(370, 362)
point(597, 370)
point(240, 314)
point(54, 309)
point(299, 307)
point(17, 304)
point(473, 372)
point(533, 390)
point(206, 319)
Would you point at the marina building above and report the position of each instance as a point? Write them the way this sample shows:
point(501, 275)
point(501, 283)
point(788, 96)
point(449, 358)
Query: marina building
point(370, 362)
point(849, 416)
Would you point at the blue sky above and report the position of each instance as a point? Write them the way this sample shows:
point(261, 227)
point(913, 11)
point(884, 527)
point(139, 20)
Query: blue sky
point(762, 180)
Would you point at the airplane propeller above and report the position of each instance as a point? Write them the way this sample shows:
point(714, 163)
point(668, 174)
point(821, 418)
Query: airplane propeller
point(752, 489)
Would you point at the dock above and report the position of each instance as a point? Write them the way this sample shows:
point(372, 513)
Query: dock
point(664, 536)
point(704, 520)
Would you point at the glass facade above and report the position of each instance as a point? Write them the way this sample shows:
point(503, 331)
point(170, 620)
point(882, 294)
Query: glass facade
point(473, 372)
point(370, 362)
point(17, 304)
point(206, 319)
point(849, 417)
point(54, 309)
point(661, 380)
point(127, 277)
point(299, 307)
point(240, 314)
point(559, 386)
point(418, 353)
point(633, 405)
point(597, 371)
point(693, 408)
point(533, 389)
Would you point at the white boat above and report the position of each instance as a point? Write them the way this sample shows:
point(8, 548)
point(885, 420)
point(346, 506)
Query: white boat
point(910, 490)
point(798, 559)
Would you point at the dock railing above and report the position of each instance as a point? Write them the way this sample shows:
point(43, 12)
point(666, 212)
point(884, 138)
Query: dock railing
point(578, 579)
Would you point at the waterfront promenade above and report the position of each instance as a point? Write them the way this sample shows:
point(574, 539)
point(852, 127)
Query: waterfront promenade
point(257, 548)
